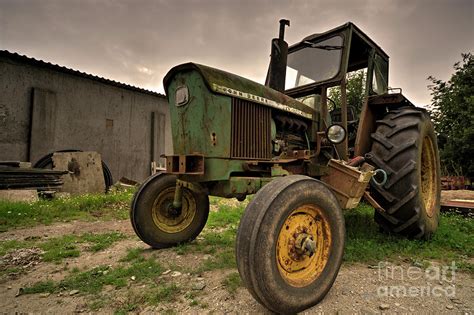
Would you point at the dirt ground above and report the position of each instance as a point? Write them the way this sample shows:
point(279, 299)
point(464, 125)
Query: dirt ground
point(358, 288)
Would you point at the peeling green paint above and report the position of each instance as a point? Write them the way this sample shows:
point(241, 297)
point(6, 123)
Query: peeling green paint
point(215, 78)
point(203, 124)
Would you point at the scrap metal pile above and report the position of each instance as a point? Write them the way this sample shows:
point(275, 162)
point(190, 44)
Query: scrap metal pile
point(12, 176)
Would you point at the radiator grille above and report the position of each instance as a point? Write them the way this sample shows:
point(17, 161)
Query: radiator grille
point(251, 130)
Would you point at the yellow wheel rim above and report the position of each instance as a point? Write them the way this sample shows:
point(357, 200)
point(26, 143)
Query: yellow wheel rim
point(428, 176)
point(166, 218)
point(297, 267)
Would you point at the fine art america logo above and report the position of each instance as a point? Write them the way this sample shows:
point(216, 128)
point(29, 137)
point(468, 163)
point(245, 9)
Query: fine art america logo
point(434, 281)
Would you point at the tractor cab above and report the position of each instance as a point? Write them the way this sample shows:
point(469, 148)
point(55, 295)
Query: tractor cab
point(321, 62)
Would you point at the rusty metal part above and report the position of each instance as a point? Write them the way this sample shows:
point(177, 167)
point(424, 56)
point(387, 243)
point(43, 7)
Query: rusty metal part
point(358, 160)
point(297, 154)
point(343, 147)
point(324, 109)
point(320, 136)
point(348, 183)
point(387, 99)
point(238, 186)
point(185, 164)
point(251, 130)
point(255, 166)
point(373, 203)
point(303, 245)
point(373, 107)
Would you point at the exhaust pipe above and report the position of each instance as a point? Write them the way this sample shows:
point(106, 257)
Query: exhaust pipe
point(279, 52)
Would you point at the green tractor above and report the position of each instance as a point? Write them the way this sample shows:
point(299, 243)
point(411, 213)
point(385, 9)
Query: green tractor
point(303, 158)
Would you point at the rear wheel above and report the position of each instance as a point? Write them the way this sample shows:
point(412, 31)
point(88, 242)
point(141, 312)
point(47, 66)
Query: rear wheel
point(404, 145)
point(157, 222)
point(290, 243)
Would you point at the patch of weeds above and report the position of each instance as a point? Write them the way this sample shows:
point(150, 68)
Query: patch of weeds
point(223, 259)
point(224, 238)
point(75, 270)
point(226, 216)
point(185, 248)
point(48, 286)
point(163, 293)
point(453, 241)
point(212, 242)
point(56, 249)
point(192, 297)
point(232, 282)
point(133, 254)
point(92, 281)
point(98, 303)
point(102, 241)
point(214, 200)
point(112, 205)
point(133, 301)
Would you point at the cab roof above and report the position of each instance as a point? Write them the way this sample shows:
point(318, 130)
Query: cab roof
point(347, 27)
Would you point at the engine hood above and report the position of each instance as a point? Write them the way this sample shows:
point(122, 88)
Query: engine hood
point(222, 82)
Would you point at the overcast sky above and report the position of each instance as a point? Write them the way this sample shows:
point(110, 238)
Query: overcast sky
point(137, 42)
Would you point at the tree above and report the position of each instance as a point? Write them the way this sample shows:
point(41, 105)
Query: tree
point(355, 90)
point(452, 111)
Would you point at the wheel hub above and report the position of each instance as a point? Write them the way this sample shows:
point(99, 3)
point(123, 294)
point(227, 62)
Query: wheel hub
point(173, 212)
point(169, 218)
point(303, 245)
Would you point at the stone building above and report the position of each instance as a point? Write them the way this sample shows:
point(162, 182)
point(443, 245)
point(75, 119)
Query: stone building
point(46, 107)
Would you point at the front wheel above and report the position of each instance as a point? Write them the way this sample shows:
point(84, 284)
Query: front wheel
point(290, 243)
point(157, 222)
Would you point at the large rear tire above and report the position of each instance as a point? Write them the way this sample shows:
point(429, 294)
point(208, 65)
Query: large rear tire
point(157, 223)
point(275, 265)
point(405, 146)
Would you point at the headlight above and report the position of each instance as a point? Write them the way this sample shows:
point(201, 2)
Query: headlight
point(182, 95)
point(336, 133)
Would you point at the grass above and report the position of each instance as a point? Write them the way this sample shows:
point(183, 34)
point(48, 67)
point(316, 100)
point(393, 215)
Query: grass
point(227, 216)
point(454, 240)
point(232, 282)
point(113, 205)
point(134, 268)
point(218, 240)
point(58, 248)
point(93, 280)
point(163, 293)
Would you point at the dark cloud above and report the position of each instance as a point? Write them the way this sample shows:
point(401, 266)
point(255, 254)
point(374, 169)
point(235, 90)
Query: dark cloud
point(137, 42)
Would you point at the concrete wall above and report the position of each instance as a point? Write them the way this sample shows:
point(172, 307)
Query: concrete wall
point(44, 110)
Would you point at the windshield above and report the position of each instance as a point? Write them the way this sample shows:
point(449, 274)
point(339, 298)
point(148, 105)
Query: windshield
point(316, 62)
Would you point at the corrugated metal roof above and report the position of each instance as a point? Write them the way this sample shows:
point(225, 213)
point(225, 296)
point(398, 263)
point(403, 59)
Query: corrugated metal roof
point(40, 63)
